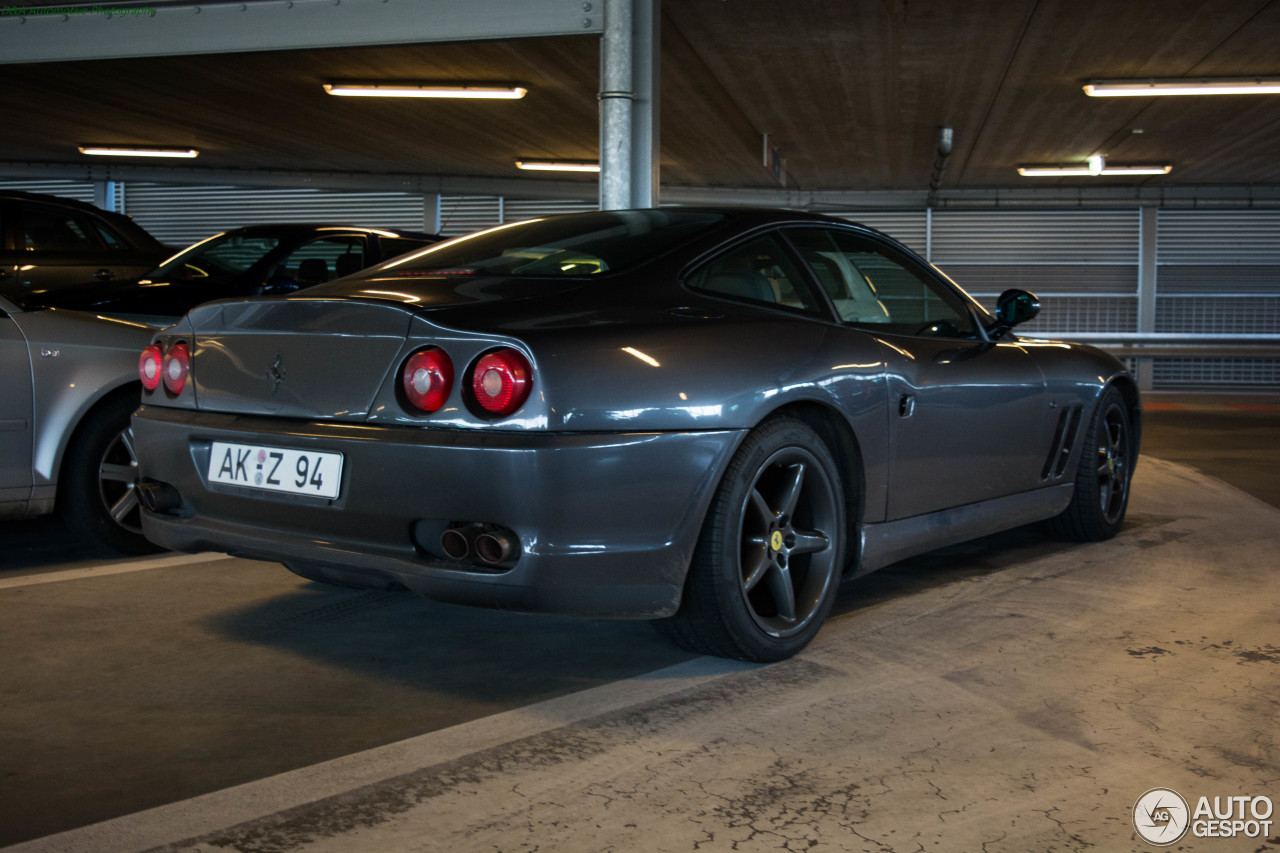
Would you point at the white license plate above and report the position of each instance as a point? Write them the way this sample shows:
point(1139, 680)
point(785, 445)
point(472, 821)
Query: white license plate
point(296, 472)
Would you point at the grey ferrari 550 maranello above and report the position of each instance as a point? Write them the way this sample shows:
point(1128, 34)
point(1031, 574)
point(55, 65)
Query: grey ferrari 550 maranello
point(707, 418)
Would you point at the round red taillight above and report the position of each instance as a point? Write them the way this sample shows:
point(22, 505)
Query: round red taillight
point(501, 381)
point(149, 367)
point(427, 379)
point(176, 366)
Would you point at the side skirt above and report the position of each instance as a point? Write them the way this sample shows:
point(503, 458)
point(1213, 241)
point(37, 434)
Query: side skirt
point(890, 541)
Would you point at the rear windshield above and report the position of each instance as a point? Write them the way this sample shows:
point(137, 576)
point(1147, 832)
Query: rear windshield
point(582, 244)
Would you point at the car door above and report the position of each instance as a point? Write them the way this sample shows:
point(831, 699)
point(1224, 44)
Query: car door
point(15, 412)
point(967, 417)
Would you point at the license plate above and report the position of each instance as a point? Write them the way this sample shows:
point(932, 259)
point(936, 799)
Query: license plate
point(279, 469)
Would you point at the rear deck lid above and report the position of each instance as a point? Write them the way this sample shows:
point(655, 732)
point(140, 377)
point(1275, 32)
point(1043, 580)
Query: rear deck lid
point(306, 358)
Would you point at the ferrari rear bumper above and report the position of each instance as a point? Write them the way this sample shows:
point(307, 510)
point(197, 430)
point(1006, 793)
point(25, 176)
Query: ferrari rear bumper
point(604, 523)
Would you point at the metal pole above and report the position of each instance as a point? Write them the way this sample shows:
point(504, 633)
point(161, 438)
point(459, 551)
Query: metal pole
point(431, 213)
point(1147, 218)
point(616, 96)
point(646, 52)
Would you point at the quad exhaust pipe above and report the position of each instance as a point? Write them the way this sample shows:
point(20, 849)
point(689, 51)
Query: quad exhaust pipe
point(486, 544)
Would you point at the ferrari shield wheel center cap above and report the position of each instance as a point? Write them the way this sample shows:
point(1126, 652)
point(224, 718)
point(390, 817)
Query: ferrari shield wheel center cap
point(775, 541)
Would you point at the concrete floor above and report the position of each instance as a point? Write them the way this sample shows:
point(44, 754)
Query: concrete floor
point(1010, 694)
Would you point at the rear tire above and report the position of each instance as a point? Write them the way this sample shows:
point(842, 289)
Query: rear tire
point(1097, 508)
point(768, 561)
point(97, 486)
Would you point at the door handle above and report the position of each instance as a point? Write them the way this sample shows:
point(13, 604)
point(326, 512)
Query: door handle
point(104, 275)
point(906, 405)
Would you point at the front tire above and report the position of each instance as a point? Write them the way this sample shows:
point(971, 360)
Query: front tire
point(97, 486)
point(768, 561)
point(1097, 508)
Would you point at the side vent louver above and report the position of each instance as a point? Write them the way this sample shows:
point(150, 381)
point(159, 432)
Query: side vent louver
point(1064, 438)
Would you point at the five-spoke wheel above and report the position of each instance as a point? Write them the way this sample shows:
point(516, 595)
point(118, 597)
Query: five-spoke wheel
point(1101, 497)
point(771, 550)
point(98, 484)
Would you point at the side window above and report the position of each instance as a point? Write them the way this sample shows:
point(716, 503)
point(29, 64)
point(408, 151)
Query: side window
point(47, 229)
point(395, 246)
point(114, 241)
point(323, 260)
point(868, 284)
point(757, 271)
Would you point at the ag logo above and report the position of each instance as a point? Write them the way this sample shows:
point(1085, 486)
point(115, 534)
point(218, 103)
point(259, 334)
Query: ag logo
point(1161, 816)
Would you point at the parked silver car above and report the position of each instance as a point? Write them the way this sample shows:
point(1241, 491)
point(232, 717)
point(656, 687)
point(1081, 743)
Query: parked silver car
point(69, 360)
point(68, 383)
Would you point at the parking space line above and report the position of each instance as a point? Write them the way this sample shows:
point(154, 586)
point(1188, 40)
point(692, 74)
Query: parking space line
point(112, 569)
point(168, 826)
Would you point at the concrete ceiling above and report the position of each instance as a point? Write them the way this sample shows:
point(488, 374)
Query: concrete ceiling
point(852, 92)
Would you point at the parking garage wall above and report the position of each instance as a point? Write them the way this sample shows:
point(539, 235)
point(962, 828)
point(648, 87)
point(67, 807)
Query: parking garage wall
point(1217, 271)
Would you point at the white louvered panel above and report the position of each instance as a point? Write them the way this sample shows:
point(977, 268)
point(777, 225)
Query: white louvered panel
point(906, 226)
point(78, 190)
point(462, 214)
point(1218, 237)
point(1035, 237)
point(518, 209)
point(181, 215)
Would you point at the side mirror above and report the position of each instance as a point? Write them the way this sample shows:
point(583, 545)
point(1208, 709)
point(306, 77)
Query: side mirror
point(1015, 307)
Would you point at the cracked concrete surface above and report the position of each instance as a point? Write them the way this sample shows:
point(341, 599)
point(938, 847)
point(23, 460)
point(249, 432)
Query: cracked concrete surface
point(1022, 706)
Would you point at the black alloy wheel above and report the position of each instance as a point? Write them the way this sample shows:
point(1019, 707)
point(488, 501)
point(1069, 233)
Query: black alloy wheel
point(1097, 508)
point(1111, 458)
point(98, 483)
point(769, 558)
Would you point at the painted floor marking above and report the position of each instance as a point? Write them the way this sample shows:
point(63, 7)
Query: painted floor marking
point(176, 822)
point(112, 569)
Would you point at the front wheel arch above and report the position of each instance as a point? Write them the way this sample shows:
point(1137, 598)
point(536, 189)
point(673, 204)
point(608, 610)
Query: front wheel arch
point(84, 496)
point(1104, 471)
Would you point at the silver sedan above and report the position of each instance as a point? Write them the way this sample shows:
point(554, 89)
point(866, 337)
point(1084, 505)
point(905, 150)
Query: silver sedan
point(68, 384)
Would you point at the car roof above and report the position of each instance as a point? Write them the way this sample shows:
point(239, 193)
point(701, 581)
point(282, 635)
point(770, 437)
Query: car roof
point(118, 219)
point(293, 229)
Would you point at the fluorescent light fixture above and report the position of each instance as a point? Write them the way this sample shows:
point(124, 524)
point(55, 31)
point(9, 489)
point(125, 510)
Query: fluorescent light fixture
point(1137, 170)
point(559, 165)
point(137, 151)
point(1091, 169)
point(1152, 86)
point(485, 91)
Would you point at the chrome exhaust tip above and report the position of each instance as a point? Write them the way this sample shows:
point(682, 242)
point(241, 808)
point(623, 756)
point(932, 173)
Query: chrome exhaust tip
point(456, 542)
point(158, 497)
point(496, 548)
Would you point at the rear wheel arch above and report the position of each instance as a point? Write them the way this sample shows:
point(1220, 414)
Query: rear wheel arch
point(843, 444)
